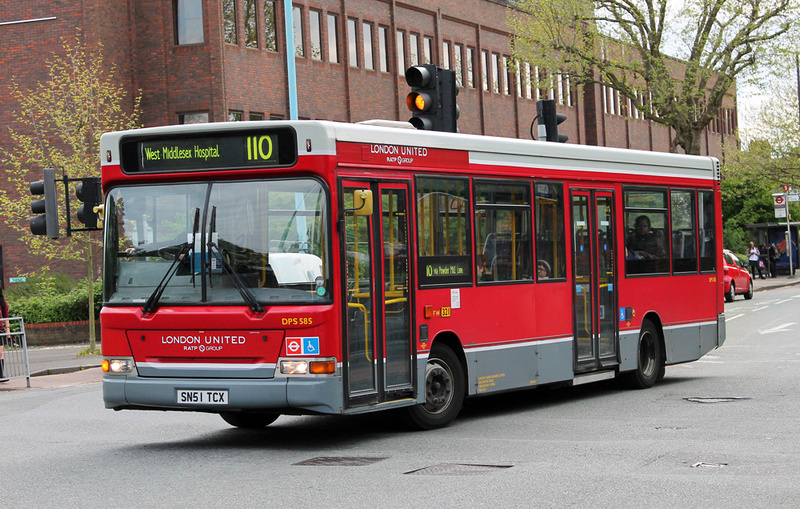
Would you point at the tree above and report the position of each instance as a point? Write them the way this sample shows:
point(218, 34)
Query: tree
point(625, 45)
point(58, 124)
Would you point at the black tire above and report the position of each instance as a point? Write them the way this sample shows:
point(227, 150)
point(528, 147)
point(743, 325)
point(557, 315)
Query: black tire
point(731, 293)
point(444, 391)
point(650, 358)
point(248, 420)
point(749, 294)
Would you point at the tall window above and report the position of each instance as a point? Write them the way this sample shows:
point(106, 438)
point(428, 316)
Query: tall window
point(229, 20)
point(684, 247)
point(189, 21)
point(250, 24)
point(333, 39)
point(369, 62)
point(495, 73)
point(297, 19)
point(235, 116)
point(470, 67)
point(457, 65)
point(383, 49)
point(708, 256)
point(193, 118)
point(550, 237)
point(401, 52)
point(270, 30)
point(315, 33)
point(352, 42)
point(446, 54)
point(413, 49)
point(503, 244)
point(427, 49)
point(485, 70)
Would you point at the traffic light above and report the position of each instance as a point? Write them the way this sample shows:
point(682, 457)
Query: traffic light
point(90, 193)
point(46, 223)
point(549, 120)
point(432, 99)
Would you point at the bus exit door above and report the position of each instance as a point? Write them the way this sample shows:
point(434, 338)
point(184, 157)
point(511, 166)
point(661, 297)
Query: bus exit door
point(378, 348)
point(594, 271)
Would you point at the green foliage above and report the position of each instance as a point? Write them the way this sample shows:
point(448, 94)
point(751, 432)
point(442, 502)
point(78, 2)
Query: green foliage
point(59, 302)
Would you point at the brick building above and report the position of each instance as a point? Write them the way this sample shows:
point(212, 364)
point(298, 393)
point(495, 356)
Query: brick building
point(219, 60)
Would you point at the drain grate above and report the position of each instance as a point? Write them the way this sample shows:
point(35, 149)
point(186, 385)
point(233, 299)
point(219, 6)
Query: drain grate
point(339, 461)
point(457, 469)
point(731, 399)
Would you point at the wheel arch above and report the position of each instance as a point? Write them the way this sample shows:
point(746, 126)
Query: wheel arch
point(451, 341)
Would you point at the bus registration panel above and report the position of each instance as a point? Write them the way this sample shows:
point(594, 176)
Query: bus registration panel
point(202, 397)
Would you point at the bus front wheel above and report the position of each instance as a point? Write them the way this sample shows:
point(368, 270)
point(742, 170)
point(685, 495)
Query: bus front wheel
point(444, 391)
point(650, 358)
point(249, 420)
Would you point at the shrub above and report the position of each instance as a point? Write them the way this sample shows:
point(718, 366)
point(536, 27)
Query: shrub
point(40, 301)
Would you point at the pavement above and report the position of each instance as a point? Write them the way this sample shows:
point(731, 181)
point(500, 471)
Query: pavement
point(60, 366)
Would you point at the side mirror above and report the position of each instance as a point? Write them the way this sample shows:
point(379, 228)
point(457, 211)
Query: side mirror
point(362, 202)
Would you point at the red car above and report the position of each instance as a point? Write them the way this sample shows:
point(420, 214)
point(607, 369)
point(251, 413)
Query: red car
point(736, 278)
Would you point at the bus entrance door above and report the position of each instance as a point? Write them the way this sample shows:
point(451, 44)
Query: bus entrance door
point(378, 348)
point(595, 278)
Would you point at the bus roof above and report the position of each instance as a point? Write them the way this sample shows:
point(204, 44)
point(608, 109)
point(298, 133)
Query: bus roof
point(482, 150)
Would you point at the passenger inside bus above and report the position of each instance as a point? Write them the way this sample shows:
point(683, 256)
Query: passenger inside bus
point(645, 243)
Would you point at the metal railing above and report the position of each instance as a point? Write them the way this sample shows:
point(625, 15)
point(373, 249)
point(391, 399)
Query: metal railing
point(14, 350)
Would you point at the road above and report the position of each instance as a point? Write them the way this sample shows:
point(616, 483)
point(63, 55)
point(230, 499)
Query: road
point(720, 432)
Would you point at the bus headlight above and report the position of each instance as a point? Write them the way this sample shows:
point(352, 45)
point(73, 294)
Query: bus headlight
point(119, 366)
point(325, 366)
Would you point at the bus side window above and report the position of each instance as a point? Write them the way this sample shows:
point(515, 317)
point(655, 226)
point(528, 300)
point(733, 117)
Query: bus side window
point(684, 247)
point(503, 230)
point(646, 241)
point(550, 236)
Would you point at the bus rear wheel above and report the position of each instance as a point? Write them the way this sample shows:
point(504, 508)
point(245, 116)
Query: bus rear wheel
point(248, 420)
point(650, 358)
point(444, 391)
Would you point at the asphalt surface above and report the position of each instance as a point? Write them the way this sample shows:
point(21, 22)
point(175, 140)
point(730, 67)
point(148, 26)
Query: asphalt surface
point(58, 366)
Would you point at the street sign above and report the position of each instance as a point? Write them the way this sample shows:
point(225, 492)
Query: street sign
point(780, 211)
point(779, 201)
point(794, 197)
point(786, 188)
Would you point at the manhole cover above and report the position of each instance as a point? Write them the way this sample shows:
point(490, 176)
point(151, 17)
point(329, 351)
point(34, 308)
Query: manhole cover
point(716, 400)
point(339, 461)
point(457, 469)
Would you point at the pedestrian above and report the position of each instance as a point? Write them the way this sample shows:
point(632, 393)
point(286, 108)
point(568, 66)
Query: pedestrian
point(754, 256)
point(774, 256)
point(7, 330)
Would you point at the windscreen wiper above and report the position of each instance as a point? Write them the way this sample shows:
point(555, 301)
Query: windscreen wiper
point(152, 302)
point(245, 292)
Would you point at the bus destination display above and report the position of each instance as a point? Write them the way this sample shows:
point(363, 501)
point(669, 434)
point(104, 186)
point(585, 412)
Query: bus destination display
point(225, 151)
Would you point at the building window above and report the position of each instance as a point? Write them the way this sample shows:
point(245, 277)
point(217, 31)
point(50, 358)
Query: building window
point(485, 70)
point(229, 20)
point(193, 118)
point(427, 49)
point(297, 20)
point(526, 71)
point(250, 24)
point(189, 21)
point(369, 62)
point(401, 52)
point(495, 73)
point(352, 42)
point(270, 30)
point(275, 116)
point(383, 49)
point(457, 65)
point(235, 116)
point(255, 116)
point(333, 39)
point(446, 54)
point(470, 67)
point(315, 32)
point(413, 49)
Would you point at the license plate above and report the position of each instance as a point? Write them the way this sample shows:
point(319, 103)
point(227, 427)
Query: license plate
point(202, 397)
